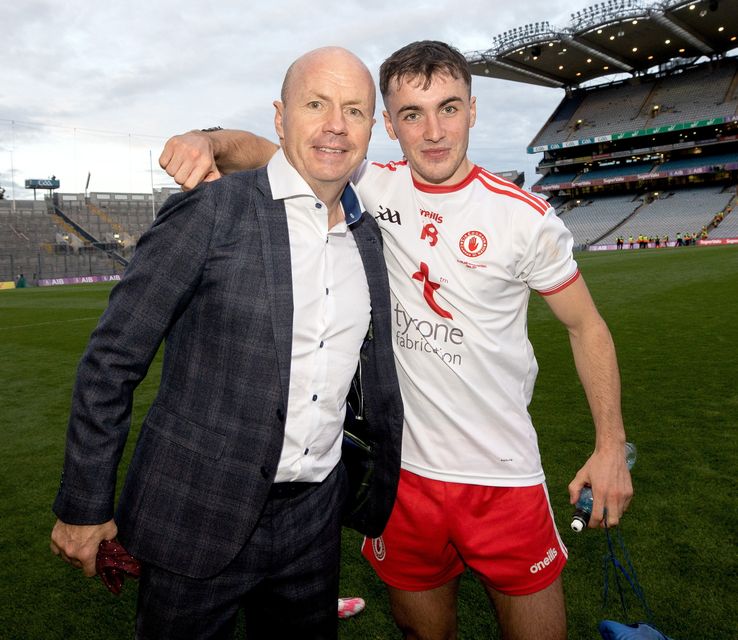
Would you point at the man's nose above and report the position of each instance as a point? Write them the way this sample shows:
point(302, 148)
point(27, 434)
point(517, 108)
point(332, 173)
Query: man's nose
point(433, 129)
point(335, 121)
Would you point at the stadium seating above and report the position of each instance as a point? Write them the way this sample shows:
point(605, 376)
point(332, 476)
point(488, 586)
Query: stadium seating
point(590, 219)
point(682, 211)
point(35, 241)
point(699, 161)
point(615, 171)
point(681, 97)
point(556, 178)
point(728, 227)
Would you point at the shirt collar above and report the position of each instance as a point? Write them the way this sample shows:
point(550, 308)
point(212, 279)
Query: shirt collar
point(286, 182)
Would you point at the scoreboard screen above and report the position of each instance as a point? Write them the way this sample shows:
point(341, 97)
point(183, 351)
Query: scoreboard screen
point(49, 183)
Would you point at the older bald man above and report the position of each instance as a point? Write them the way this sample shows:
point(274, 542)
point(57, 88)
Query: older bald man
point(268, 286)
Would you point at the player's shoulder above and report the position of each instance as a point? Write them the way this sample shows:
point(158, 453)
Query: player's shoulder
point(508, 192)
point(381, 171)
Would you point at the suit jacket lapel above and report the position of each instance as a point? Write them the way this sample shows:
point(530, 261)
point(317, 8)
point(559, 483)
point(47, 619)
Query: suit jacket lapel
point(275, 241)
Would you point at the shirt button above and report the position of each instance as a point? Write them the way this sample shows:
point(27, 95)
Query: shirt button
point(318, 205)
point(315, 397)
point(306, 451)
point(326, 291)
point(321, 344)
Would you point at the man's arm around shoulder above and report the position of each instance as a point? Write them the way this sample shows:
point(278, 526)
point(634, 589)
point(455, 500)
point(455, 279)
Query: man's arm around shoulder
point(203, 156)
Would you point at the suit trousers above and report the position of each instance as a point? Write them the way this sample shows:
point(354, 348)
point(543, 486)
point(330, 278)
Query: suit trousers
point(285, 577)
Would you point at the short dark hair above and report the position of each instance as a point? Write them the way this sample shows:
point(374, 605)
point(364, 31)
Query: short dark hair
point(423, 59)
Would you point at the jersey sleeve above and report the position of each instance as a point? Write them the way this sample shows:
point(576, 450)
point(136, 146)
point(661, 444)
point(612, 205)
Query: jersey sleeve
point(547, 264)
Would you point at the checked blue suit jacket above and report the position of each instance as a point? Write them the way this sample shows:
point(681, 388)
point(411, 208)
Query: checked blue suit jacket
point(212, 278)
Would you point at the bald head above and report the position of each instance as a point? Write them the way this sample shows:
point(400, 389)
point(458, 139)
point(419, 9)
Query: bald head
point(337, 58)
point(324, 119)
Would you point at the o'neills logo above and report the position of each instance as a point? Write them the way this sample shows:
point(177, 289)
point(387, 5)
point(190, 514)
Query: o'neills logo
point(378, 547)
point(541, 565)
point(473, 244)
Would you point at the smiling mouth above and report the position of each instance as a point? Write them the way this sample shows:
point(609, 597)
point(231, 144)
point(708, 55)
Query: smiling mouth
point(330, 150)
point(436, 151)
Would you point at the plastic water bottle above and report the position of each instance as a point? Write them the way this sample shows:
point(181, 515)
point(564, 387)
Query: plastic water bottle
point(583, 507)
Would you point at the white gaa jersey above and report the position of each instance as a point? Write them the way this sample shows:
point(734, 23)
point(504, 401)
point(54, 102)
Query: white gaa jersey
point(462, 260)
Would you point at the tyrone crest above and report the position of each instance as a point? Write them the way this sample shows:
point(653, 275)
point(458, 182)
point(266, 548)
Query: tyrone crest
point(473, 244)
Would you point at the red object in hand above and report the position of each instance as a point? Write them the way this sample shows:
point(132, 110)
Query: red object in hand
point(113, 563)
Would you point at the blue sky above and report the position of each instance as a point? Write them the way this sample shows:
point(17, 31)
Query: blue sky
point(98, 87)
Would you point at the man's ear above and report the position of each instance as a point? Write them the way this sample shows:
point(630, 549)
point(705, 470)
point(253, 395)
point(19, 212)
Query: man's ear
point(388, 125)
point(472, 111)
point(278, 112)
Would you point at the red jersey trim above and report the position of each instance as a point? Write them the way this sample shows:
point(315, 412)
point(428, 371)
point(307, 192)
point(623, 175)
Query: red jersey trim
point(512, 190)
point(561, 287)
point(447, 188)
point(391, 166)
point(506, 188)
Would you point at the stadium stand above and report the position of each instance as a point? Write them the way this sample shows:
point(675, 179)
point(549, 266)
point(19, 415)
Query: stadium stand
point(650, 106)
point(600, 111)
point(641, 103)
point(607, 172)
point(728, 228)
point(683, 211)
point(589, 220)
point(700, 161)
point(72, 235)
point(644, 140)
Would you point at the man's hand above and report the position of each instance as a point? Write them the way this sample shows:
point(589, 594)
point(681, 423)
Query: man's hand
point(607, 473)
point(190, 159)
point(78, 544)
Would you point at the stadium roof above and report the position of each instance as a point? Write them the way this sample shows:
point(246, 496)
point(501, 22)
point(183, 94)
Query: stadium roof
point(612, 37)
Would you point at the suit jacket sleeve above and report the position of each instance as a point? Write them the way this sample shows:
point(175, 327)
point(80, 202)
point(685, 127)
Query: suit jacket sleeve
point(156, 287)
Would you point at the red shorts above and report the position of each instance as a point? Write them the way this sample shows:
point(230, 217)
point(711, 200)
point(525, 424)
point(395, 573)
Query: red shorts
point(506, 535)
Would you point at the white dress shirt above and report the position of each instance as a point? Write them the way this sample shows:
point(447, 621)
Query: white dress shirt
point(330, 320)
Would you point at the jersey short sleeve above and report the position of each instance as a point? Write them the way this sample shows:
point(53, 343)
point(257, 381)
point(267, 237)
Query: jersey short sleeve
point(547, 264)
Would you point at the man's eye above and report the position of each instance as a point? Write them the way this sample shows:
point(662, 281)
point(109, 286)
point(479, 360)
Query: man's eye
point(449, 109)
point(411, 117)
point(314, 104)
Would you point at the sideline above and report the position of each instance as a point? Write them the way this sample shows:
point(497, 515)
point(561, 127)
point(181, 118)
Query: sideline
point(671, 244)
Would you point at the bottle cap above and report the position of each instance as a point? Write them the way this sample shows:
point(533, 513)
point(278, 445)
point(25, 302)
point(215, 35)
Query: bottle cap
point(580, 519)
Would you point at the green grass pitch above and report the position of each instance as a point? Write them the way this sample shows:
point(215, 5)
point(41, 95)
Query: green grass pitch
point(674, 316)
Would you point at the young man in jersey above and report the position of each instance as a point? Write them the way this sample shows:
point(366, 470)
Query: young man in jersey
point(464, 249)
